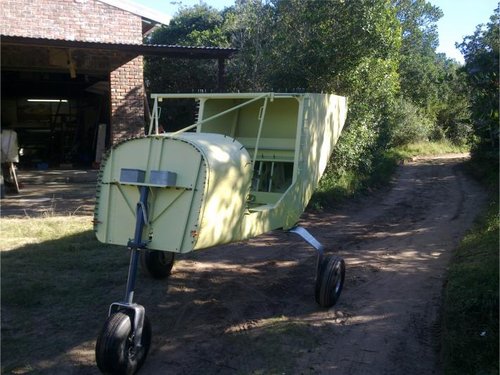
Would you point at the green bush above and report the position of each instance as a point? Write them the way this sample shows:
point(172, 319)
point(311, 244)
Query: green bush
point(408, 125)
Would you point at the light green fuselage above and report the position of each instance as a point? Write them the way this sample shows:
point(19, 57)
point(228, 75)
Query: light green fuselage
point(250, 166)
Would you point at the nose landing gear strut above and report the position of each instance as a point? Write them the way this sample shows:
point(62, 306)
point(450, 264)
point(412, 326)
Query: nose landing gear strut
point(125, 338)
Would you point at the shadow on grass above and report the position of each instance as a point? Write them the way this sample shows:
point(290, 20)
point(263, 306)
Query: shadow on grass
point(55, 297)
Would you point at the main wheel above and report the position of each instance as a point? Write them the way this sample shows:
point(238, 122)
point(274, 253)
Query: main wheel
point(114, 351)
point(329, 280)
point(158, 264)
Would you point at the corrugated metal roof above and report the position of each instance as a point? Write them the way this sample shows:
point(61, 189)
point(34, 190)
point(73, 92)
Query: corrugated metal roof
point(138, 49)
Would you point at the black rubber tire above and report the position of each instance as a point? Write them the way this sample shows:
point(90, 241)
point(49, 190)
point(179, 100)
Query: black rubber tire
point(330, 281)
point(114, 352)
point(157, 264)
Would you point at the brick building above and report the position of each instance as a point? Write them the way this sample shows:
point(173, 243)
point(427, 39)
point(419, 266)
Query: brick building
point(72, 74)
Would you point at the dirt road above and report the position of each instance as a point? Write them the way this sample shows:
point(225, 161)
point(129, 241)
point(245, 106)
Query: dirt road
point(249, 308)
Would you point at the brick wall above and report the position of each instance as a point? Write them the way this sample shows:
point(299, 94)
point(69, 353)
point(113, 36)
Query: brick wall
point(127, 100)
point(90, 21)
point(82, 20)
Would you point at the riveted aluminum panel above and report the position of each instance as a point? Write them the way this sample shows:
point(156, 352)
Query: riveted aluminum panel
point(212, 183)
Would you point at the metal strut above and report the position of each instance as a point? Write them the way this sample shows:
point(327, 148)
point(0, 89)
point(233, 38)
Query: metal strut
point(309, 238)
point(135, 245)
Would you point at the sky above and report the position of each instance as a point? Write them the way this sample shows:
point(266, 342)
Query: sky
point(460, 17)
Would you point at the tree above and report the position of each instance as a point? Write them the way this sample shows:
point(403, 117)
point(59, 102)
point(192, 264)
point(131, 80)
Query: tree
point(480, 52)
point(452, 108)
point(249, 26)
point(199, 25)
point(419, 73)
point(350, 48)
point(429, 81)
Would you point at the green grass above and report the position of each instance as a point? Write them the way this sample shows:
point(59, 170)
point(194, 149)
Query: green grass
point(15, 233)
point(429, 149)
point(470, 340)
point(57, 284)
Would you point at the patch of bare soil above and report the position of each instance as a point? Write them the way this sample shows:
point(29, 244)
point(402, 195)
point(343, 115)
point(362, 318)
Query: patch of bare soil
point(51, 193)
point(249, 308)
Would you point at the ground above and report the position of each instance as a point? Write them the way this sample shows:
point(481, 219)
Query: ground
point(52, 192)
point(248, 308)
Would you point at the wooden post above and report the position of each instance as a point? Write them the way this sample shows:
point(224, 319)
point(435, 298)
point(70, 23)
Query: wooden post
point(220, 76)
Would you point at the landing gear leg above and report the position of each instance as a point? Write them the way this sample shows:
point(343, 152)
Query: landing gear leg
point(124, 340)
point(330, 271)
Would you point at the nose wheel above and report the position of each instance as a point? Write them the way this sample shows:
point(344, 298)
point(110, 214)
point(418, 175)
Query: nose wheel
point(123, 342)
point(117, 351)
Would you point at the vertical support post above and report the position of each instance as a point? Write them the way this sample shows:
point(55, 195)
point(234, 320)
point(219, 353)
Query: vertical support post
point(132, 275)
point(154, 118)
point(257, 181)
point(271, 177)
point(147, 111)
point(136, 244)
point(262, 114)
point(220, 74)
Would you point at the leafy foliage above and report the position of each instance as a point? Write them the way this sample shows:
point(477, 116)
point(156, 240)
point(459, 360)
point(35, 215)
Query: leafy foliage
point(418, 71)
point(429, 80)
point(452, 110)
point(249, 26)
point(408, 124)
point(481, 53)
point(344, 47)
point(200, 25)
